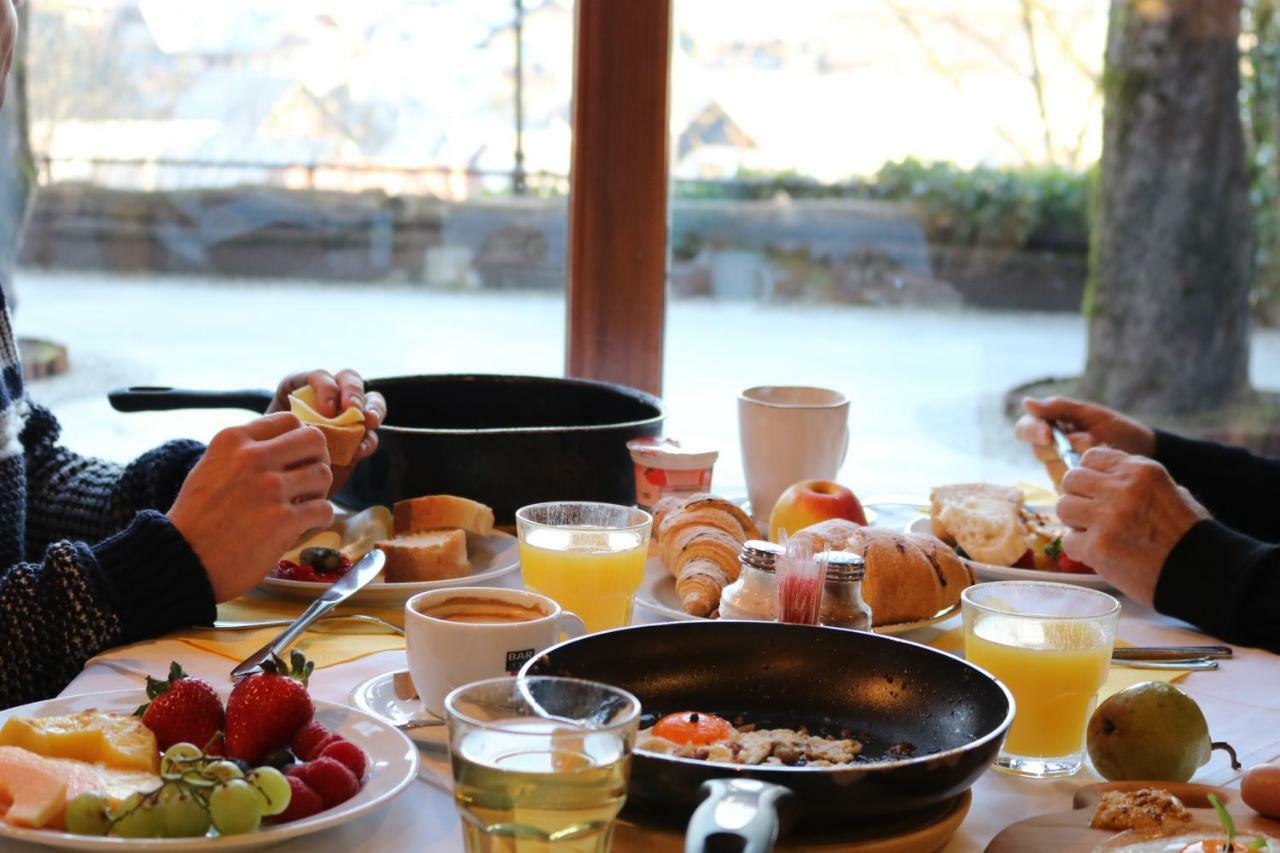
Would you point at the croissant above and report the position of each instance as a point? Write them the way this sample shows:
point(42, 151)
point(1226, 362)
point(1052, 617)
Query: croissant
point(699, 541)
point(909, 576)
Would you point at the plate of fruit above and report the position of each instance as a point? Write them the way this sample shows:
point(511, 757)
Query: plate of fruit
point(182, 766)
point(430, 542)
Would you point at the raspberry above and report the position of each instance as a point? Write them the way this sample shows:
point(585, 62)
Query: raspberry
point(350, 755)
point(303, 803)
point(330, 779)
point(307, 738)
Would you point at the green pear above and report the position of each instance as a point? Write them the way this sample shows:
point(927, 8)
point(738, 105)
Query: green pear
point(1153, 731)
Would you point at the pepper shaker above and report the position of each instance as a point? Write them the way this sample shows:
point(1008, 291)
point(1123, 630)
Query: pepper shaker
point(842, 602)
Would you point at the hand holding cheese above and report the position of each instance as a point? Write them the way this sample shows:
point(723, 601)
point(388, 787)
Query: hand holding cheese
point(338, 406)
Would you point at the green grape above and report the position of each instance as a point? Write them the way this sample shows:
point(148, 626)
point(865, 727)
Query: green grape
point(138, 819)
point(272, 789)
point(234, 808)
point(223, 771)
point(87, 815)
point(184, 817)
point(178, 758)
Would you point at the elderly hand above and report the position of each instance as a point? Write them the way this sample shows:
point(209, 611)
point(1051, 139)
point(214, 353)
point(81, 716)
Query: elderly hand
point(334, 394)
point(1086, 424)
point(259, 487)
point(1126, 514)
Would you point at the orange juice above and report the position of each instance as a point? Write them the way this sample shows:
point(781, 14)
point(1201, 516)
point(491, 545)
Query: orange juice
point(1054, 671)
point(593, 572)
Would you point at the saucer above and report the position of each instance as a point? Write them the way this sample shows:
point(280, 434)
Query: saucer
point(377, 698)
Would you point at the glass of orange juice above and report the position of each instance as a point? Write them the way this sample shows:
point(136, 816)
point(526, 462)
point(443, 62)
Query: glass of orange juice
point(589, 557)
point(1050, 644)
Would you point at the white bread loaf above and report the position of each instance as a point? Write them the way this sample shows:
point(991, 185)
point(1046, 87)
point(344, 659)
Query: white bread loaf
point(433, 512)
point(943, 495)
point(989, 530)
point(430, 556)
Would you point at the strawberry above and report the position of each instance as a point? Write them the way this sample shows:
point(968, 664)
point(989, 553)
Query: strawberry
point(268, 708)
point(183, 709)
point(350, 755)
point(308, 738)
point(329, 778)
point(304, 803)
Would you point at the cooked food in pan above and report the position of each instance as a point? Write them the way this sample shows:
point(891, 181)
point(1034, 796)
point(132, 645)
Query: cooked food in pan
point(706, 737)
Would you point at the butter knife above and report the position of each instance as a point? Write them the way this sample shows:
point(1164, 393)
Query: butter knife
point(1063, 444)
point(1187, 663)
point(339, 591)
point(1169, 652)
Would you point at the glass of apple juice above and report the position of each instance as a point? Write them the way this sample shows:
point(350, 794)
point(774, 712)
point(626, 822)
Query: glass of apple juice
point(1050, 644)
point(539, 763)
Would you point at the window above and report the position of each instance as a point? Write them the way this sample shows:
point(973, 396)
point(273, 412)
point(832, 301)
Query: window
point(231, 191)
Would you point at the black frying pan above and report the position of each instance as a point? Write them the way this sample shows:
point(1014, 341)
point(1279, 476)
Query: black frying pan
point(506, 441)
point(954, 714)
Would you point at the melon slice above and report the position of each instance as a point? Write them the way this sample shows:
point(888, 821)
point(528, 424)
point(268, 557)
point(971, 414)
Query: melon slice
point(35, 791)
point(117, 740)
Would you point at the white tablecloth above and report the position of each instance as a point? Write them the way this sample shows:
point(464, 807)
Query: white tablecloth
point(1241, 702)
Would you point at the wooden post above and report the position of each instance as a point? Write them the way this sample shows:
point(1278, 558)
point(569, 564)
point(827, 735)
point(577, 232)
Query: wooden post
point(618, 192)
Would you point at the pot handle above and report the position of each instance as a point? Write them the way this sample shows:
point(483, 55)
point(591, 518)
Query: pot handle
point(743, 809)
point(147, 398)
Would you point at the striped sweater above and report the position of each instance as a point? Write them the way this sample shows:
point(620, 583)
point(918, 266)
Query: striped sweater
point(87, 559)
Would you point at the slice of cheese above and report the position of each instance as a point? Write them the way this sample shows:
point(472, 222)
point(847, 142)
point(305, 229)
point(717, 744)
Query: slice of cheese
point(303, 404)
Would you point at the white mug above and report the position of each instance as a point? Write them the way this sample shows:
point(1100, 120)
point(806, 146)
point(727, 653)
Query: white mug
point(444, 654)
point(790, 433)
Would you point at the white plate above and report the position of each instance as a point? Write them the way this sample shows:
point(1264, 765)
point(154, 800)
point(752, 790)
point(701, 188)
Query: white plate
point(657, 594)
point(491, 557)
point(989, 572)
point(393, 765)
point(377, 698)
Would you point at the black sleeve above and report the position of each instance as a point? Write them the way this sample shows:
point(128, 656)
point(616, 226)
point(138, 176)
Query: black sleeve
point(1240, 489)
point(80, 600)
point(1225, 583)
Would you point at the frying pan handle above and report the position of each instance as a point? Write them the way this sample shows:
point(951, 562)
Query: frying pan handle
point(741, 809)
point(146, 398)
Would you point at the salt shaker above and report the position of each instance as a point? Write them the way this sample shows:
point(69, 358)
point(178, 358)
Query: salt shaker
point(754, 595)
point(842, 603)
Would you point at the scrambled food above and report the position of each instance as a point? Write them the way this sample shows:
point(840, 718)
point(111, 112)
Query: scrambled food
point(706, 737)
point(1147, 810)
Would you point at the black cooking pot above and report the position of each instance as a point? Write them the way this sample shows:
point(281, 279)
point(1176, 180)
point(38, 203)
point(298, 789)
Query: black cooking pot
point(885, 690)
point(506, 441)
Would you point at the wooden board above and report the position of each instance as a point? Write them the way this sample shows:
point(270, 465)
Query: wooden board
point(1069, 831)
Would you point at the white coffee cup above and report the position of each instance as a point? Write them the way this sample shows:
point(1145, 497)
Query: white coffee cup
point(790, 433)
point(449, 643)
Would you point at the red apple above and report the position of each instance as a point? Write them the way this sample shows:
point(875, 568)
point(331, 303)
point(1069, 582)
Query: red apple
point(810, 501)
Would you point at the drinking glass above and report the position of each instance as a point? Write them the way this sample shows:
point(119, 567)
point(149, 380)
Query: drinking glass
point(589, 557)
point(1050, 644)
point(540, 764)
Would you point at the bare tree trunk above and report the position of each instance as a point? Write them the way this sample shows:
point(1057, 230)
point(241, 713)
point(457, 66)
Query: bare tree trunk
point(17, 165)
point(1171, 261)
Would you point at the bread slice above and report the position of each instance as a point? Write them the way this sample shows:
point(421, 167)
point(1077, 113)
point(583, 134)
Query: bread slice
point(436, 511)
point(342, 433)
point(943, 495)
point(990, 530)
point(430, 556)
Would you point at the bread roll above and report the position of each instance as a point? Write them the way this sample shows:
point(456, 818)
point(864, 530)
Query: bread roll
point(909, 577)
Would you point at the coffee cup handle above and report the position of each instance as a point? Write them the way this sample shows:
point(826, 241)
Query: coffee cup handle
point(844, 451)
point(572, 625)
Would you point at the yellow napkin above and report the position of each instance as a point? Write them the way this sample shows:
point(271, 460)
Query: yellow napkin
point(327, 643)
point(1118, 677)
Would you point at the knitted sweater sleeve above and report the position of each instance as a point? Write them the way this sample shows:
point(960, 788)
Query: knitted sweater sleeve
point(84, 499)
point(102, 566)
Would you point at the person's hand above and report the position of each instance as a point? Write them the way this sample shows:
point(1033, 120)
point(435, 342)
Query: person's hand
point(334, 395)
point(258, 489)
point(1126, 515)
point(1086, 425)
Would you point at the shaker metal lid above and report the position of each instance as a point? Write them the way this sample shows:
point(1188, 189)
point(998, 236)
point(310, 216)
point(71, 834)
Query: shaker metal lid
point(843, 565)
point(760, 554)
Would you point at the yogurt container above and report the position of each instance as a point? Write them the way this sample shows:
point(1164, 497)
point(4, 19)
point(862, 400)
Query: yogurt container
point(664, 469)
